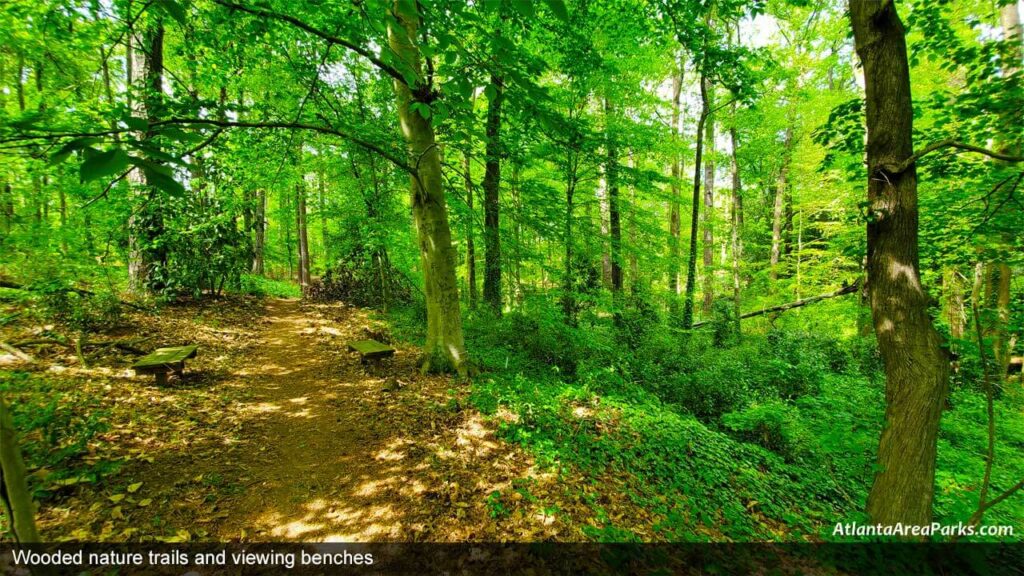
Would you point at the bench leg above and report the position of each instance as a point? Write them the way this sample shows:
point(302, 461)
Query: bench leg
point(161, 378)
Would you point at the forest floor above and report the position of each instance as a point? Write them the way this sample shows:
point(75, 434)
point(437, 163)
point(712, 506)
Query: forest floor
point(276, 432)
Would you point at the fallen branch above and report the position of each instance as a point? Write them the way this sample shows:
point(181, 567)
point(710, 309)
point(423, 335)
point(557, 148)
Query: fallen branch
point(15, 352)
point(848, 289)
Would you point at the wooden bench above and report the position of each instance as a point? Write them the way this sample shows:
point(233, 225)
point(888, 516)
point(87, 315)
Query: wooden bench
point(370, 350)
point(164, 360)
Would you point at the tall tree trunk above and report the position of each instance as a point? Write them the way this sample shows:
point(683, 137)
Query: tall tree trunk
point(470, 245)
point(145, 73)
point(601, 195)
point(14, 494)
point(614, 218)
point(517, 231)
point(62, 198)
point(325, 240)
point(568, 298)
point(916, 366)
point(634, 264)
point(492, 188)
point(302, 233)
point(675, 288)
point(709, 199)
point(737, 226)
point(779, 205)
point(691, 266)
point(1000, 273)
point(259, 231)
point(445, 344)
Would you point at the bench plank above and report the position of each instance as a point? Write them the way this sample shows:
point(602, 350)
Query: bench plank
point(370, 349)
point(164, 359)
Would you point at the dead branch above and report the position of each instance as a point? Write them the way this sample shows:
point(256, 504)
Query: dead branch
point(847, 289)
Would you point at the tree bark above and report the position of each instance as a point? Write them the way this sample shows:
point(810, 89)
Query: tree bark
point(302, 233)
point(737, 226)
point(779, 205)
point(691, 266)
point(675, 288)
point(14, 493)
point(614, 217)
point(709, 199)
point(259, 231)
point(916, 366)
point(470, 244)
point(492, 189)
point(444, 344)
point(145, 72)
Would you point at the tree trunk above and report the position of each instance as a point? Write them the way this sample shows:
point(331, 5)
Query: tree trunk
point(14, 494)
point(709, 199)
point(325, 240)
point(444, 343)
point(1001, 273)
point(614, 218)
point(634, 264)
point(259, 232)
point(779, 205)
point(568, 298)
point(691, 266)
point(470, 245)
point(737, 226)
point(302, 233)
point(145, 72)
point(62, 197)
point(916, 366)
point(955, 314)
point(492, 188)
point(675, 288)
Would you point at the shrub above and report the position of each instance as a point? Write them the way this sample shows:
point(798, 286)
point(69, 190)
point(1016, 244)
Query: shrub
point(80, 311)
point(774, 425)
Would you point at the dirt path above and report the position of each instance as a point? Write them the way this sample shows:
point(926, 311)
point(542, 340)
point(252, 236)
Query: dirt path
point(276, 432)
point(331, 451)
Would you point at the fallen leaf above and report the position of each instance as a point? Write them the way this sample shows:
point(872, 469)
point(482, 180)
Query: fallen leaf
point(146, 502)
point(133, 488)
point(116, 497)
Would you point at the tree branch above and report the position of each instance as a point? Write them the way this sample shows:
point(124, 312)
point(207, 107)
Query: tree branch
point(948, 143)
point(387, 68)
point(848, 289)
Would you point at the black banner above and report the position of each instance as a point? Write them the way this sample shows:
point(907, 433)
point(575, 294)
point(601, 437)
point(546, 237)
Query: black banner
point(537, 559)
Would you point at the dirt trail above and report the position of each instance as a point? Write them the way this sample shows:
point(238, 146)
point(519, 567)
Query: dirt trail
point(331, 452)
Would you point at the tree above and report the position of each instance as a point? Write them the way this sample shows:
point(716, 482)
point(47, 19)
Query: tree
point(445, 344)
point(492, 188)
point(916, 365)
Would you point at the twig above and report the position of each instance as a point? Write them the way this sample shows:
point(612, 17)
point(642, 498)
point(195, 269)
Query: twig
point(16, 353)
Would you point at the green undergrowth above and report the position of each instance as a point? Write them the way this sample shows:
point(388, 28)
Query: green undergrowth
point(261, 286)
point(768, 438)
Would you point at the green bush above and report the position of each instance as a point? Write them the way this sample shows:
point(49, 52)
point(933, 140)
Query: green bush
point(262, 286)
point(79, 311)
point(774, 425)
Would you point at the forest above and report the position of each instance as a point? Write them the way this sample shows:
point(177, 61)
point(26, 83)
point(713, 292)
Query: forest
point(511, 271)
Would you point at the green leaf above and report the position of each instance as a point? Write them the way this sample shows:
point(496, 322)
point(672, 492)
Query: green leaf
point(495, 5)
point(558, 7)
point(174, 10)
point(491, 92)
point(524, 8)
point(71, 147)
point(164, 182)
point(423, 109)
point(103, 164)
point(137, 124)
